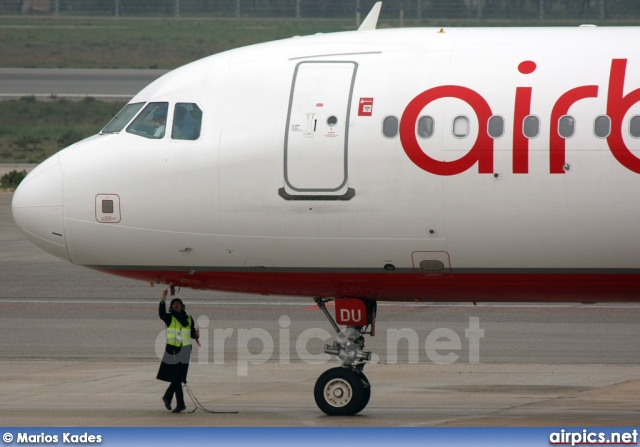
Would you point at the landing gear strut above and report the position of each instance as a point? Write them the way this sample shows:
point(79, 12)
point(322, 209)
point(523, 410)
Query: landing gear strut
point(345, 390)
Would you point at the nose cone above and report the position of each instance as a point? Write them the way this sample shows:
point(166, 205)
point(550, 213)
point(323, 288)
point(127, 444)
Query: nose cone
point(37, 208)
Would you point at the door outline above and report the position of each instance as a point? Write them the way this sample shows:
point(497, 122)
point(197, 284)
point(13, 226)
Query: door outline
point(301, 193)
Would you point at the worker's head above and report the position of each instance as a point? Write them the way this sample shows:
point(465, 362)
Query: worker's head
point(177, 305)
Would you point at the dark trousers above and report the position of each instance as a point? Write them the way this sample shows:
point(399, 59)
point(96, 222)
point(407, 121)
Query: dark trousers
point(175, 387)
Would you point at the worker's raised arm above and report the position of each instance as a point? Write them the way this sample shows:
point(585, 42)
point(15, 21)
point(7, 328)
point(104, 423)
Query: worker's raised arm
point(162, 310)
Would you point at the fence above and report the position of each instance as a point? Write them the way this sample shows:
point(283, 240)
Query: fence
point(347, 9)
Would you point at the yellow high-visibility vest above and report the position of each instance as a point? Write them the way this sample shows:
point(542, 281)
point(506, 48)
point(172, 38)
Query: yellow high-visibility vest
point(177, 335)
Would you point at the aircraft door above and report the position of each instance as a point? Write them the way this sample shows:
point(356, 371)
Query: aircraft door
point(317, 135)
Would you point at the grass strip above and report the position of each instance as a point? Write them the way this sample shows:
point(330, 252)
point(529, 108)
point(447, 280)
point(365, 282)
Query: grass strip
point(32, 130)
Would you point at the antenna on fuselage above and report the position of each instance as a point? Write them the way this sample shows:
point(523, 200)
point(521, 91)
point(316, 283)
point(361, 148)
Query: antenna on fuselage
point(371, 20)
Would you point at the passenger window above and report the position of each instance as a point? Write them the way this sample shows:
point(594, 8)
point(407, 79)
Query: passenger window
point(123, 117)
point(425, 127)
point(495, 128)
point(567, 126)
point(151, 122)
point(602, 126)
point(634, 127)
point(390, 127)
point(531, 126)
point(187, 120)
point(460, 126)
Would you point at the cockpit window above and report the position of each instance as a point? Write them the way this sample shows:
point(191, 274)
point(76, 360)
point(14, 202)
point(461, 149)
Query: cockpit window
point(187, 119)
point(151, 122)
point(122, 118)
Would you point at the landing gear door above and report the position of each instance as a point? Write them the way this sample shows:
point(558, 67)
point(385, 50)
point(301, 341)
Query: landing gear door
point(317, 135)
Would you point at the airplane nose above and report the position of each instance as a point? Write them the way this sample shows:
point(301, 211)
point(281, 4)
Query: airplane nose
point(37, 208)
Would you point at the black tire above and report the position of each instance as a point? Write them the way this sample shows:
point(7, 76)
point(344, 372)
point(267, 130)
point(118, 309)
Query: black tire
point(367, 392)
point(341, 392)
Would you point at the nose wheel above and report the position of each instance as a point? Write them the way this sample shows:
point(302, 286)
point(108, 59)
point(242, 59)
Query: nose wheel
point(345, 390)
point(342, 392)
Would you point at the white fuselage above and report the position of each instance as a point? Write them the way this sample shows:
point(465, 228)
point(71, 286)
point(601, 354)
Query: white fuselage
point(301, 182)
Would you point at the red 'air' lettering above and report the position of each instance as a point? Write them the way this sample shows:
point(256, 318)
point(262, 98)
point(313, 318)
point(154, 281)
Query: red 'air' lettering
point(617, 107)
point(527, 67)
point(522, 109)
point(482, 150)
point(561, 107)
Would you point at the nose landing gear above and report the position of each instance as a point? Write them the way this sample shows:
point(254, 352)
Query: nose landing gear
point(345, 390)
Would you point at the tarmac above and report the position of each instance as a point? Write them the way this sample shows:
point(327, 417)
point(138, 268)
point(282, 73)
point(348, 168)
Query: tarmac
point(100, 393)
point(75, 83)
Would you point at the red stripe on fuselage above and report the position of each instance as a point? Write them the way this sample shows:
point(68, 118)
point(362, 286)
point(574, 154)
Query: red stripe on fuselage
point(460, 287)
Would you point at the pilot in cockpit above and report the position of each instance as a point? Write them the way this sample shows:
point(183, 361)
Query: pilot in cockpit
point(159, 120)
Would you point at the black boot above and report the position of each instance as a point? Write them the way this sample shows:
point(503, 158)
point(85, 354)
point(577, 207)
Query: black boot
point(179, 408)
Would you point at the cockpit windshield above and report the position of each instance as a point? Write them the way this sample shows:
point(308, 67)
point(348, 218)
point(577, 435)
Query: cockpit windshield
point(122, 118)
point(151, 122)
point(187, 119)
